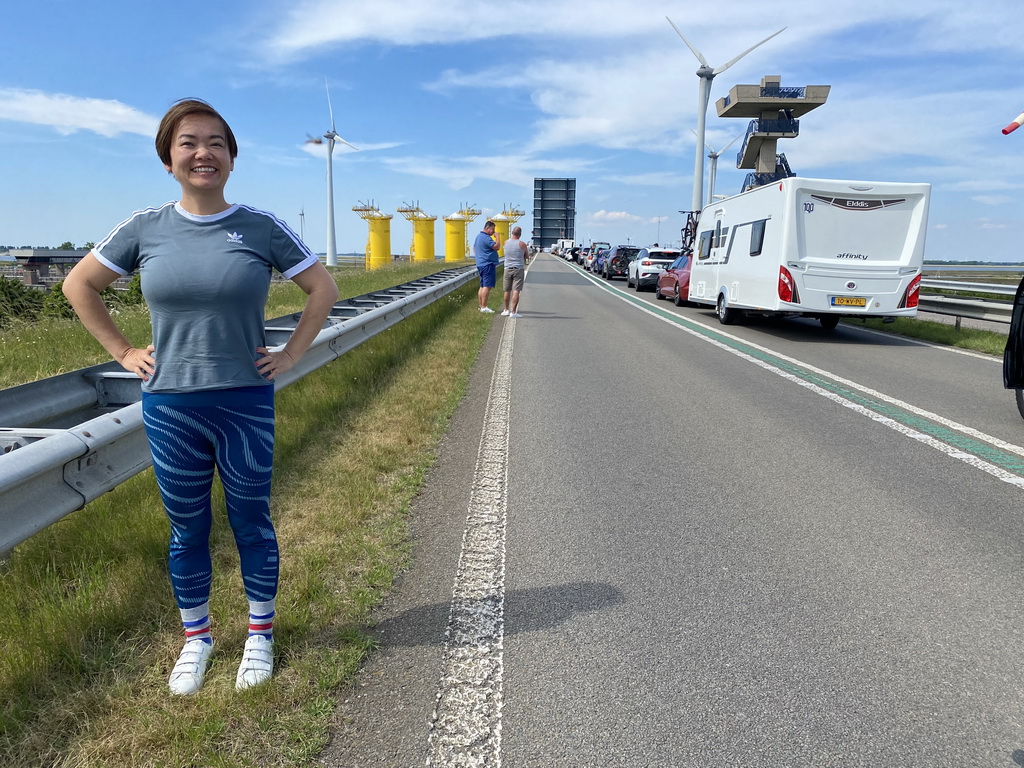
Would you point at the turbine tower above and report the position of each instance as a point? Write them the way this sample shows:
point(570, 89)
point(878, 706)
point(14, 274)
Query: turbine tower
point(331, 136)
point(713, 170)
point(706, 75)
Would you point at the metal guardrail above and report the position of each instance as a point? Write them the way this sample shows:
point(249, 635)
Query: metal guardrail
point(974, 308)
point(71, 438)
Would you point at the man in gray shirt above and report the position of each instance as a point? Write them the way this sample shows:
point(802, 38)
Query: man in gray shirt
point(515, 272)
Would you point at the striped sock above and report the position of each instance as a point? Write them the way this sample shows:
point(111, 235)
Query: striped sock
point(197, 623)
point(261, 619)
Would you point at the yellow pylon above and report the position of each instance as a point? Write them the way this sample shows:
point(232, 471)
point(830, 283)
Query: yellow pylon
point(378, 241)
point(422, 247)
point(503, 222)
point(456, 247)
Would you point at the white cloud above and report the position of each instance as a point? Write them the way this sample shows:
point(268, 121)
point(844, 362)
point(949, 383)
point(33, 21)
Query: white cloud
point(311, 25)
point(654, 179)
point(615, 217)
point(990, 224)
point(320, 150)
point(68, 114)
point(993, 199)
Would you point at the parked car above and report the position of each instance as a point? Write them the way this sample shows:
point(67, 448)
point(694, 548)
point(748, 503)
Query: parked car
point(674, 282)
point(616, 262)
point(648, 264)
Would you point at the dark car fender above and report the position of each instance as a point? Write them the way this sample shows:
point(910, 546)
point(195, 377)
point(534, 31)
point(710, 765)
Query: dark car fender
point(1013, 354)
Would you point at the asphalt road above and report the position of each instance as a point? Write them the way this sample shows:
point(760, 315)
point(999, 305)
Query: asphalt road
point(753, 545)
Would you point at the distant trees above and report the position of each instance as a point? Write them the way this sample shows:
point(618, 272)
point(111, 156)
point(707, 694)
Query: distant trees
point(26, 304)
point(67, 245)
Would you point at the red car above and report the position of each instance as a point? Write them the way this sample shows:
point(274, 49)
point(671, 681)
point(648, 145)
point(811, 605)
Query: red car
point(674, 282)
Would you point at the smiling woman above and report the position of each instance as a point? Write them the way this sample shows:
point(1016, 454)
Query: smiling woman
point(208, 376)
point(199, 150)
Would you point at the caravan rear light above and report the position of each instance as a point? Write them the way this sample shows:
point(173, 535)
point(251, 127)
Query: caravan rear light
point(787, 288)
point(913, 294)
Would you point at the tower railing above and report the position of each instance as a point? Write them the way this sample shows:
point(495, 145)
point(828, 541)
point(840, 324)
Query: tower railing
point(781, 92)
point(788, 126)
point(782, 171)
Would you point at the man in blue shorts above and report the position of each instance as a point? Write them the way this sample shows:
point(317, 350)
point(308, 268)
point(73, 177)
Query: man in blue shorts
point(485, 249)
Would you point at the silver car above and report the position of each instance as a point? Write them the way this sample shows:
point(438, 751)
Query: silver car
point(648, 264)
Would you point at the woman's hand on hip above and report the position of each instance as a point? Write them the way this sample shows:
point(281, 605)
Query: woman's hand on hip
point(139, 361)
point(273, 363)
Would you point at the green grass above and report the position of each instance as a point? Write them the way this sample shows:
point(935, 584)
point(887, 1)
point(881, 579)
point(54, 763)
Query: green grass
point(989, 342)
point(87, 620)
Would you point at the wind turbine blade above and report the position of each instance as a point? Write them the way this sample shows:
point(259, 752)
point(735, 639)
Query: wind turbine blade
point(737, 58)
point(698, 54)
point(338, 138)
point(329, 108)
point(705, 143)
point(730, 143)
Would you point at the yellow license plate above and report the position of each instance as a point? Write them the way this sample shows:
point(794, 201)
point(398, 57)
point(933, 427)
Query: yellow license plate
point(849, 301)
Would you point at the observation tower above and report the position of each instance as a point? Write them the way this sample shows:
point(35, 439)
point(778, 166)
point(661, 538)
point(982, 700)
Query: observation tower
point(774, 110)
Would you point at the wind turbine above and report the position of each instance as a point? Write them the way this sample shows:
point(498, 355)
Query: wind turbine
point(331, 136)
point(706, 75)
point(712, 171)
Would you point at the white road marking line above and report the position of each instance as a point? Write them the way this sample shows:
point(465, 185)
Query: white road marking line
point(466, 726)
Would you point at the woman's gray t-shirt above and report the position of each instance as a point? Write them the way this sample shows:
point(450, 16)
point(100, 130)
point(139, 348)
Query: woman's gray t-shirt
point(205, 280)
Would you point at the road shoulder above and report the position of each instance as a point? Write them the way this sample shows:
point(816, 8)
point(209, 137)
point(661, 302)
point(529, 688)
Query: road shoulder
point(384, 716)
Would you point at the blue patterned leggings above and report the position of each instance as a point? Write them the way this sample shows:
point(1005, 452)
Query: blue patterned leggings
point(189, 435)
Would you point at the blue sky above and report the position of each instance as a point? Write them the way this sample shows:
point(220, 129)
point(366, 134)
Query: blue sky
point(466, 102)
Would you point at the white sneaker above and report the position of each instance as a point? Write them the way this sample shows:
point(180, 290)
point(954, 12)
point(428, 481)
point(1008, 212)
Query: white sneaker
point(505, 313)
point(515, 314)
point(190, 668)
point(257, 663)
point(487, 310)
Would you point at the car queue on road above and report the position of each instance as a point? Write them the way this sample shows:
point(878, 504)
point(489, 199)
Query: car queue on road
point(664, 270)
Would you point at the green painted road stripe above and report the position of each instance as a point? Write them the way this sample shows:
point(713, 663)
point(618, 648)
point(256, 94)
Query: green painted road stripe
point(984, 451)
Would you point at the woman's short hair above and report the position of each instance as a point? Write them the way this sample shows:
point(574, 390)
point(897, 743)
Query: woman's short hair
point(180, 110)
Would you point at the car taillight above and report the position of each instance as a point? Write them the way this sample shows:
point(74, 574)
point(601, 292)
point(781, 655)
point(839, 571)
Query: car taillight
point(787, 288)
point(646, 263)
point(913, 294)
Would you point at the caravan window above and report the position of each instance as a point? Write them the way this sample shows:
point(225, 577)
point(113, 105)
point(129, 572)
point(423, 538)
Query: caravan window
point(704, 248)
point(757, 237)
point(750, 236)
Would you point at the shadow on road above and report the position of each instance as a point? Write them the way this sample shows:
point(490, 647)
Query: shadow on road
point(526, 610)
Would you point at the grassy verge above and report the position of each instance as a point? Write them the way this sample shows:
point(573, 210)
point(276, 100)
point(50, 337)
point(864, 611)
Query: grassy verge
point(988, 342)
point(87, 620)
point(33, 351)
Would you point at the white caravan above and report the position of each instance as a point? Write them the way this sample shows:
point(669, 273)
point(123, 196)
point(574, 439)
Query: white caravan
point(813, 247)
